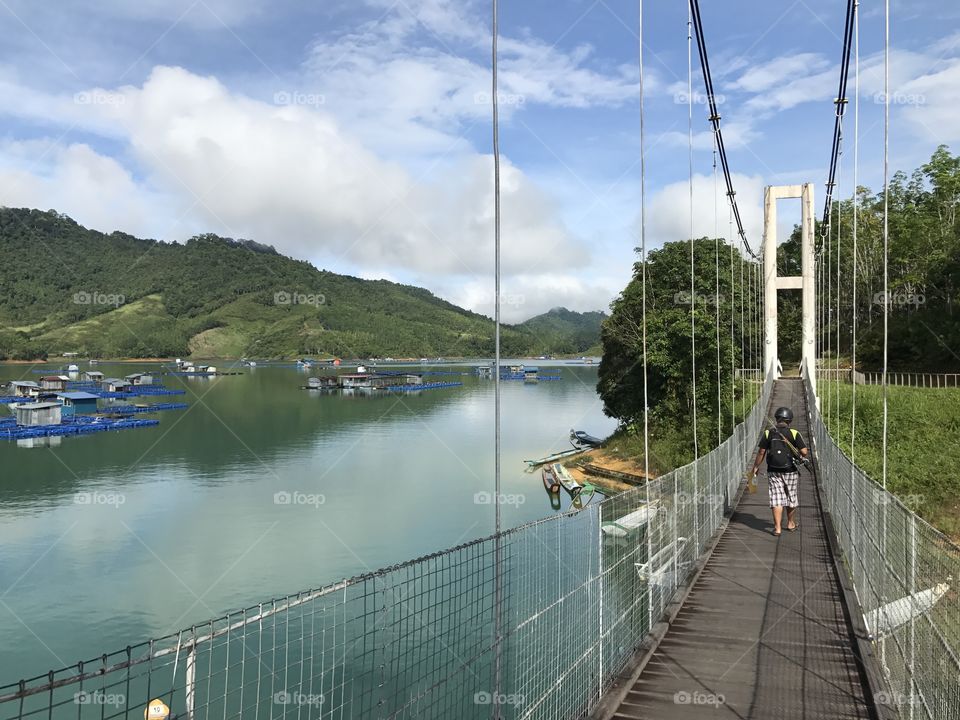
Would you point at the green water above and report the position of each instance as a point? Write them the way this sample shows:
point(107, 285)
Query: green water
point(113, 538)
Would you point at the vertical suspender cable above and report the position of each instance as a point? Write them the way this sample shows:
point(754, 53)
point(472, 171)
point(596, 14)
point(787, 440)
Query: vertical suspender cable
point(856, 162)
point(886, 224)
point(733, 362)
point(693, 306)
point(829, 308)
point(886, 282)
point(839, 234)
point(716, 296)
point(643, 306)
point(693, 289)
point(498, 548)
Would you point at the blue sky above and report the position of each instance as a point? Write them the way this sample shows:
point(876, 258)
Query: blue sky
point(357, 134)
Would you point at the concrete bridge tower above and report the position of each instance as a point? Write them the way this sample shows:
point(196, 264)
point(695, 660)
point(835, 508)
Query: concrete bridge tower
point(805, 281)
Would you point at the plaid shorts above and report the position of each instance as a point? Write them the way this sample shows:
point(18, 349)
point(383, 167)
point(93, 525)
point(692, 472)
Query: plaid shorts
point(783, 489)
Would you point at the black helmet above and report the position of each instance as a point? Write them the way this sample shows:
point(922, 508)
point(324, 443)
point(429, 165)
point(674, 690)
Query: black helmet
point(783, 413)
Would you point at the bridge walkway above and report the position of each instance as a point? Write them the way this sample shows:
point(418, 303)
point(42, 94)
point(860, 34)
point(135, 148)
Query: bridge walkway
point(763, 632)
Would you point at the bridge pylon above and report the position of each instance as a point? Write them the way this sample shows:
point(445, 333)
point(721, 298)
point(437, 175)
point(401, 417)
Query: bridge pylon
point(805, 281)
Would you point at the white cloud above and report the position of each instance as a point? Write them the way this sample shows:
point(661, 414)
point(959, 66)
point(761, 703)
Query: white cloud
point(778, 71)
point(668, 213)
point(290, 176)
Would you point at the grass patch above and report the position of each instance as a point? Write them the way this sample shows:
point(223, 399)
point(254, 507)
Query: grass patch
point(923, 454)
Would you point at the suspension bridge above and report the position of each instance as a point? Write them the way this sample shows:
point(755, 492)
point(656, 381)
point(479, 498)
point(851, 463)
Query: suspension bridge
point(696, 610)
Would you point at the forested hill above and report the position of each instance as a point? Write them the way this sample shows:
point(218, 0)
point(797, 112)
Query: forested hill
point(65, 288)
point(567, 331)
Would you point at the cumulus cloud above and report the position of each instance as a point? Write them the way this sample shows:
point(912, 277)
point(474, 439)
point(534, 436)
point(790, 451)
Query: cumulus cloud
point(291, 176)
point(668, 214)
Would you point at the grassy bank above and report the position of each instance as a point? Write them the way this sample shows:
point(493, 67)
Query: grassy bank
point(923, 453)
point(671, 444)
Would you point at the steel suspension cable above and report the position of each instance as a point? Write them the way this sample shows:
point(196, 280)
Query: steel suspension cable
point(841, 102)
point(697, 21)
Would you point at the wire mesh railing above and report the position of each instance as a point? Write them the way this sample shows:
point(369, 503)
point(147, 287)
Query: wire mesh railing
point(580, 592)
point(904, 379)
point(904, 574)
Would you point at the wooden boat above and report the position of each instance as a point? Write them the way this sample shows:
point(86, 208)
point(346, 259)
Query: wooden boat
point(550, 481)
point(625, 477)
point(579, 438)
point(555, 456)
point(661, 569)
point(631, 522)
point(583, 498)
point(566, 479)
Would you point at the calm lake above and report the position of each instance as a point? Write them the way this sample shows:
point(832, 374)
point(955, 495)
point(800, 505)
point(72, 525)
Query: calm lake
point(258, 489)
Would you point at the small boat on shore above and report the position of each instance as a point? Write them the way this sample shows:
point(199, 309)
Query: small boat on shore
point(583, 498)
point(555, 456)
point(550, 481)
point(631, 522)
point(566, 479)
point(579, 439)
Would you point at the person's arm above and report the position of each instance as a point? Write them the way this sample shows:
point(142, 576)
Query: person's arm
point(761, 453)
point(802, 446)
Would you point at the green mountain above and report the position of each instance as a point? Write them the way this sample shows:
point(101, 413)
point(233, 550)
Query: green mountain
point(565, 331)
point(69, 289)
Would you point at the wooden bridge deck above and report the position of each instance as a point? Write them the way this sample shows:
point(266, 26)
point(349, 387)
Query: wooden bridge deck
point(763, 632)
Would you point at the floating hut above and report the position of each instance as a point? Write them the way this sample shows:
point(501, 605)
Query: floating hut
point(530, 373)
point(24, 388)
point(116, 385)
point(139, 379)
point(55, 383)
point(78, 403)
point(38, 413)
point(93, 376)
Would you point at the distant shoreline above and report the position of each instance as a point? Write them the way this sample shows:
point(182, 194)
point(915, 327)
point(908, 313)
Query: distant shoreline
point(392, 361)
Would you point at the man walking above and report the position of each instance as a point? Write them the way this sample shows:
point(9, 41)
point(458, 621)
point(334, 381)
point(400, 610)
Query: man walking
point(783, 447)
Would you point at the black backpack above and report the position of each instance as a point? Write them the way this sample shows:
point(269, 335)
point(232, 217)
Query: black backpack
point(780, 454)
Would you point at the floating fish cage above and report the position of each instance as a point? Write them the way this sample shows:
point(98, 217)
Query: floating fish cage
point(522, 376)
point(134, 409)
point(422, 386)
point(140, 391)
point(75, 427)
